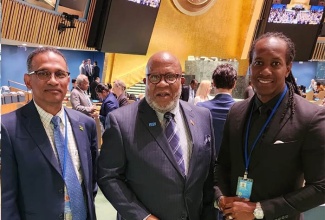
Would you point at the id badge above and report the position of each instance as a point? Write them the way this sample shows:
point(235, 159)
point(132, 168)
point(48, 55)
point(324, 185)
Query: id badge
point(244, 187)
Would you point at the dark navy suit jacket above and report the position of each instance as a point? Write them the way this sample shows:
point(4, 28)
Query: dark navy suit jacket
point(32, 183)
point(219, 107)
point(137, 171)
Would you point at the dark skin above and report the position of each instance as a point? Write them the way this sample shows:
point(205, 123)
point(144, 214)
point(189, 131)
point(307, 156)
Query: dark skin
point(269, 70)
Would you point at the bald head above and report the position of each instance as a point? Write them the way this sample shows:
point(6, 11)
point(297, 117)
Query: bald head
point(163, 58)
point(163, 81)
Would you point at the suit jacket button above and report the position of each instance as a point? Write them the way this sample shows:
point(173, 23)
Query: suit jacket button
point(61, 216)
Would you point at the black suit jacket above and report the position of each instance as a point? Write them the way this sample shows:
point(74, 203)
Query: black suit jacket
point(137, 171)
point(291, 150)
point(185, 93)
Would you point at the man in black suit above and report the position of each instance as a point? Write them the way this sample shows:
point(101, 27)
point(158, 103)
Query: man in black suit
point(188, 92)
point(139, 171)
point(96, 70)
point(272, 143)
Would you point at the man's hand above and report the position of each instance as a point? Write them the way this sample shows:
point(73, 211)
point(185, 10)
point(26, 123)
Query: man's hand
point(226, 200)
point(239, 210)
point(152, 217)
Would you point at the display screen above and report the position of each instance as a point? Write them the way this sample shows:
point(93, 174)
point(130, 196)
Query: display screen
point(150, 3)
point(298, 14)
point(123, 26)
point(300, 22)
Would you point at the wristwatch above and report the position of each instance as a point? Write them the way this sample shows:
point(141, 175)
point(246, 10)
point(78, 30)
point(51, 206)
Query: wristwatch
point(258, 212)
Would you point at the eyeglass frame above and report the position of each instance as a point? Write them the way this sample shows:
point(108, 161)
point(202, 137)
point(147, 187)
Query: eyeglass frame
point(35, 72)
point(178, 76)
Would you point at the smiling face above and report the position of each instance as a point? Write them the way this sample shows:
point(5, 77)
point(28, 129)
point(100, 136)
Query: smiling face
point(163, 97)
point(48, 94)
point(269, 67)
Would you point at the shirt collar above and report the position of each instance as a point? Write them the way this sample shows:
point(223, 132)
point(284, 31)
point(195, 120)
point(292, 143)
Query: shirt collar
point(269, 105)
point(175, 111)
point(47, 117)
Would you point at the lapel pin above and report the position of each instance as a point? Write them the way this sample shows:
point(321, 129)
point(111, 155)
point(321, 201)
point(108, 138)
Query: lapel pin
point(81, 128)
point(152, 124)
point(192, 122)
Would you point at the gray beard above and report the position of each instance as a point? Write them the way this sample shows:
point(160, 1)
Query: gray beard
point(163, 109)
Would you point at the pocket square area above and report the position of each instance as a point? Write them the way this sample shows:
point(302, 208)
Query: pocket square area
point(278, 142)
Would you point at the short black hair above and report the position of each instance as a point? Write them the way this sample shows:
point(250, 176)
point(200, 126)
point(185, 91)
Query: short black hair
point(40, 50)
point(224, 76)
point(193, 81)
point(73, 80)
point(101, 87)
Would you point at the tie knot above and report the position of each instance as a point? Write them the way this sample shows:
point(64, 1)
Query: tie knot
point(263, 109)
point(55, 121)
point(168, 116)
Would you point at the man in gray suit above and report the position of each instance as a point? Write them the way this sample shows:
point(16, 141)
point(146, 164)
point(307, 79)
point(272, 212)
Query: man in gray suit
point(139, 172)
point(79, 99)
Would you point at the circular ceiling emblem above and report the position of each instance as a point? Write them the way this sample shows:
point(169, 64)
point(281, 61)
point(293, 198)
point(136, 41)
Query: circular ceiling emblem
point(194, 7)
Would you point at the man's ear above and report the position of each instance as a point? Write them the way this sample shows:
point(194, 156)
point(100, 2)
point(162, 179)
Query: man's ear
point(289, 69)
point(27, 79)
point(144, 80)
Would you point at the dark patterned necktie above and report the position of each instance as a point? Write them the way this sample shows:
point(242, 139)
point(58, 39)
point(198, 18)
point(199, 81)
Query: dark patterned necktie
point(77, 202)
point(174, 140)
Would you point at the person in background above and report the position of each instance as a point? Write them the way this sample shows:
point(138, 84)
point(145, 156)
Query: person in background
point(313, 85)
point(119, 90)
point(224, 80)
point(79, 99)
point(109, 102)
point(157, 157)
point(73, 81)
point(203, 92)
point(93, 85)
point(95, 71)
point(189, 92)
point(319, 87)
point(249, 91)
point(271, 160)
point(89, 72)
point(82, 67)
point(49, 152)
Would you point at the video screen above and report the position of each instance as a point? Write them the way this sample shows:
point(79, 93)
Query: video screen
point(280, 13)
point(150, 3)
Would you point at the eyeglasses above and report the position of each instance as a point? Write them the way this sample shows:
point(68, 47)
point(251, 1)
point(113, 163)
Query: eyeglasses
point(46, 74)
point(169, 78)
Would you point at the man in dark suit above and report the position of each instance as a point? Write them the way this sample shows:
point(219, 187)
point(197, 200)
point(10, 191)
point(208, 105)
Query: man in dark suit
point(138, 172)
point(95, 71)
point(39, 182)
point(188, 92)
point(224, 80)
point(272, 142)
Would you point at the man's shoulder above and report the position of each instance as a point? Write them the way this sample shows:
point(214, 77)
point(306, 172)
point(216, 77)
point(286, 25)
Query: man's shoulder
point(79, 116)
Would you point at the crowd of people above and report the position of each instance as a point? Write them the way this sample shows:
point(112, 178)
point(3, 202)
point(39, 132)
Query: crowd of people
point(291, 16)
point(164, 157)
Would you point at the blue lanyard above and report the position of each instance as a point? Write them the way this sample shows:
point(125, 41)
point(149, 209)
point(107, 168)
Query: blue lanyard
point(65, 145)
point(248, 157)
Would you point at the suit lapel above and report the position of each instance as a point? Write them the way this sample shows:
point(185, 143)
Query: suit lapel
point(33, 124)
point(80, 136)
point(150, 121)
point(192, 127)
point(272, 131)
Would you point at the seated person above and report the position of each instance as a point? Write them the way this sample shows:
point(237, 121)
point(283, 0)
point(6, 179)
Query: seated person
point(119, 90)
point(109, 102)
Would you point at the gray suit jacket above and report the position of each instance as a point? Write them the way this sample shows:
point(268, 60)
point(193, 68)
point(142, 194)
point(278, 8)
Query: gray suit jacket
point(278, 169)
point(79, 101)
point(137, 171)
point(32, 183)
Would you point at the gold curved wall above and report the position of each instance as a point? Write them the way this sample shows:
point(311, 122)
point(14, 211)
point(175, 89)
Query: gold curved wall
point(25, 23)
point(220, 32)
